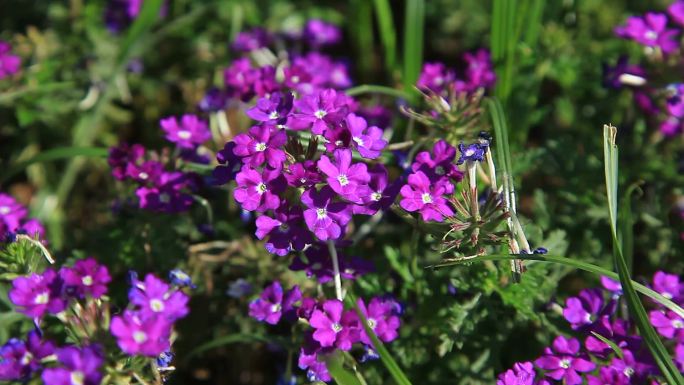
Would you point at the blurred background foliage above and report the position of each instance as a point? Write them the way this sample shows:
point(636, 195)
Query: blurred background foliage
point(83, 86)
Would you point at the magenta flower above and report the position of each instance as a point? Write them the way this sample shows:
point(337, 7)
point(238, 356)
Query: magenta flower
point(323, 72)
point(239, 79)
point(272, 304)
point(611, 285)
point(11, 212)
point(676, 11)
point(138, 335)
point(420, 194)
point(348, 180)
point(668, 286)
point(438, 165)
point(86, 278)
point(381, 318)
point(9, 64)
point(38, 294)
point(285, 230)
point(435, 77)
point(247, 41)
point(19, 359)
point(668, 324)
point(229, 165)
point(154, 297)
point(166, 195)
point(304, 174)
point(148, 172)
point(479, 73)
point(650, 30)
point(671, 126)
point(274, 109)
point(333, 327)
point(584, 309)
point(319, 33)
point(679, 356)
point(367, 140)
point(562, 361)
point(320, 111)
point(261, 144)
point(381, 193)
point(316, 370)
point(190, 133)
point(78, 366)
point(522, 373)
point(628, 369)
point(121, 156)
point(617, 331)
point(258, 191)
point(325, 218)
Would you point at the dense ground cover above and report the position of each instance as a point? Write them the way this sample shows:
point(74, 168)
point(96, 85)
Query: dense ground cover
point(376, 192)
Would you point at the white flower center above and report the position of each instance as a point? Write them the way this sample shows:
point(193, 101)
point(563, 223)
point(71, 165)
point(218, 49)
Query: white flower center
point(372, 323)
point(358, 141)
point(139, 336)
point(273, 115)
point(426, 197)
point(376, 196)
point(628, 372)
point(651, 34)
point(667, 295)
point(87, 280)
point(343, 179)
point(336, 327)
point(284, 228)
point(320, 114)
point(275, 308)
point(4, 210)
point(439, 170)
point(564, 363)
point(261, 188)
point(469, 152)
point(26, 358)
point(184, 134)
point(143, 175)
point(338, 143)
point(321, 213)
point(42, 298)
point(677, 324)
point(156, 305)
point(295, 79)
point(260, 147)
point(77, 378)
point(164, 198)
point(302, 180)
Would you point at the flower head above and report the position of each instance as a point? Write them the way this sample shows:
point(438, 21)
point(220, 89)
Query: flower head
point(438, 164)
point(381, 318)
point(435, 77)
point(258, 191)
point(562, 361)
point(623, 74)
point(420, 194)
point(285, 230)
point(19, 359)
point(522, 373)
point(324, 217)
point(86, 278)
point(78, 366)
point(247, 41)
point(273, 109)
point(333, 326)
point(584, 309)
point(319, 33)
point(669, 324)
point(272, 304)
point(348, 180)
point(38, 294)
point(472, 153)
point(154, 297)
point(166, 194)
point(262, 144)
point(141, 335)
point(668, 286)
point(179, 278)
point(12, 213)
point(9, 64)
point(650, 31)
point(190, 132)
point(320, 111)
point(229, 164)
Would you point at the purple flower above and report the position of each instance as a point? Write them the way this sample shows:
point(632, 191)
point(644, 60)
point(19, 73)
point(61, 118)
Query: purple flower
point(240, 79)
point(179, 278)
point(319, 111)
point(86, 278)
point(285, 230)
point(617, 331)
point(650, 30)
point(472, 153)
point(147, 172)
point(166, 195)
point(325, 218)
point(19, 359)
point(262, 144)
point(611, 285)
point(274, 109)
point(562, 362)
point(9, 64)
point(303, 174)
point(258, 191)
point(628, 369)
point(214, 100)
point(319, 33)
point(623, 74)
point(138, 335)
point(348, 180)
point(420, 194)
point(480, 71)
point(247, 41)
point(78, 366)
point(679, 356)
point(367, 140)
point(272, 304)
point(522, 373)
point(38, 294)
point(155, 298)
point(381, 319)
point(669, 324)
point(439, 165)
point(671, 126)
point(11, 212)
point(309, 360)
point(121, 156)
point(584, 309)
point(333, 327)
point(322, 72)
point(229, 165)
point(381, 193)
point(676, 11)
point(435, 77)
point(191, 132)
point(668, 286)
point(33, 228)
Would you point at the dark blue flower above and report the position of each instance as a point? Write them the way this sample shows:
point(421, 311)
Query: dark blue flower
point(473, 152)
point(180, 278)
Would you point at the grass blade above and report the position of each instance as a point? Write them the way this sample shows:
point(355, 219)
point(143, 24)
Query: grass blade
point(636, 308)
point(385, 356)
point(388, 34)
point(54, 154)
point(342, 376)
point(373, 89)
point(414, 26)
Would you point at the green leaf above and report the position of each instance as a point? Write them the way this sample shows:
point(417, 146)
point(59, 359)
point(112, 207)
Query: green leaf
point(373, 89)
point(385, 356)
point(414, 27)
point(636, 308)
point(610, 343)
point(342, 376)
point(54, 154)
point(388, 36)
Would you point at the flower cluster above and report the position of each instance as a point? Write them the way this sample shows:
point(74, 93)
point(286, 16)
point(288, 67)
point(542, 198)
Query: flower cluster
point(13, 220)
point(479, 73)
point(660, 35)
point(593, 315)
point(160, 188)
point(76, 296)
point(9, 64)
point(330, 326)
